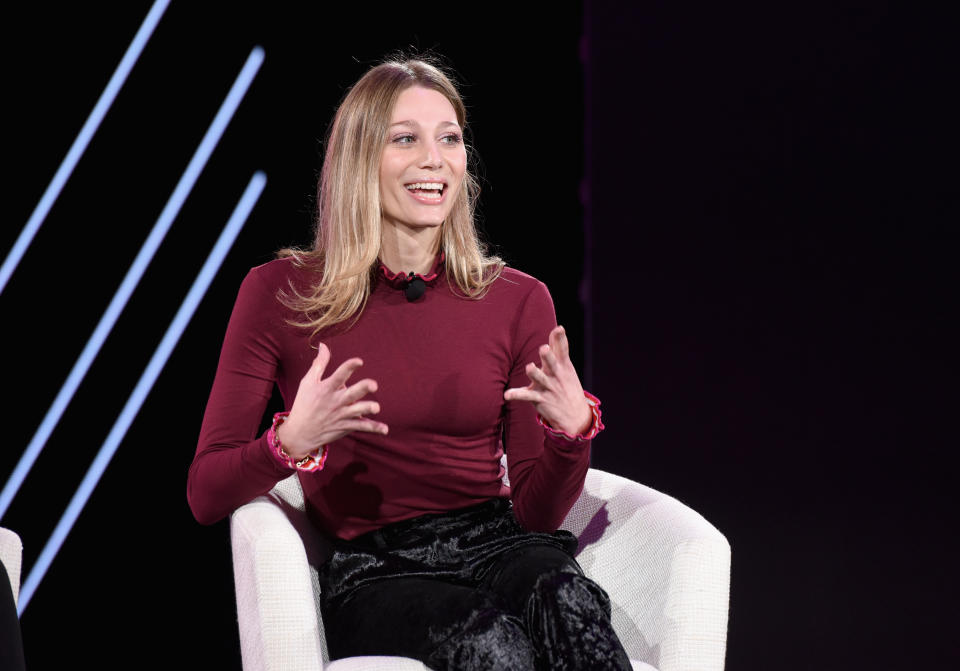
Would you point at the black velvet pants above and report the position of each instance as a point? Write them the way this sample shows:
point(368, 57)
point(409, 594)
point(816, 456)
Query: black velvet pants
point(467, 590)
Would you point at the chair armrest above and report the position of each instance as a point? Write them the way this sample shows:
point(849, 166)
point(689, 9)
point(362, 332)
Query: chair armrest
point(666, 569)
point(11, 554)
point(275, 552)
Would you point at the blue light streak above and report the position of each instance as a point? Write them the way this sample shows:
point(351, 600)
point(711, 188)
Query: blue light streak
point(134, 274)
point(150, 374)
point(82, 140)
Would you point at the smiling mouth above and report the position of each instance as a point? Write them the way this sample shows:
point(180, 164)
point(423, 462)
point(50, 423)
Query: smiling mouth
point(427, 190)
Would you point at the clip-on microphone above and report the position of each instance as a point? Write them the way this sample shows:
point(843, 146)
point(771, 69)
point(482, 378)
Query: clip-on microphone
point(415, 287)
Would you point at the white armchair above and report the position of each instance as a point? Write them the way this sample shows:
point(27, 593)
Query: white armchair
point(666, 569)
point(11, 554)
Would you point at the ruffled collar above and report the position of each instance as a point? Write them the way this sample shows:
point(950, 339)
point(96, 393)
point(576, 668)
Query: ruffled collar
point(400, 280)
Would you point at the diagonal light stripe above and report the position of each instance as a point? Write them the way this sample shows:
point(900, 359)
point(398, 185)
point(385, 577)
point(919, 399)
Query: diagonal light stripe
point(82, 140)
point(240, 214)
point(139, 266)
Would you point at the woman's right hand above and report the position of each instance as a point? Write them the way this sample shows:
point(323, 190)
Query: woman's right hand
point(327, 409)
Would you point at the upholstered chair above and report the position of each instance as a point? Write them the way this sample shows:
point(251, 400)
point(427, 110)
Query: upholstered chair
point(666, 569)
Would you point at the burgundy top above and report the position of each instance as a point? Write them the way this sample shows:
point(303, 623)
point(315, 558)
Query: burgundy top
point(441, 362)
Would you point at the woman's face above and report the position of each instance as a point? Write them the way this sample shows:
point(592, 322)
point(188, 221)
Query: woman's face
point(423, 162)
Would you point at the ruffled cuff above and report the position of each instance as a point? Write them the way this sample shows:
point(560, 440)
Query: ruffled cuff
point(312, 462)
point(591, 433)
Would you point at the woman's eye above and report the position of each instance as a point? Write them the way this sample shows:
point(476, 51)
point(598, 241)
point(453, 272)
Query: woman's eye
point(451, 139)
point(404, 139)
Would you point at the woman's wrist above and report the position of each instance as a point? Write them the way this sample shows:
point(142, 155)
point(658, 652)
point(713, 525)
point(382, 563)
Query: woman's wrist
point(284, 435)
point(588, 418)
point(592, 428)
point(313, 461)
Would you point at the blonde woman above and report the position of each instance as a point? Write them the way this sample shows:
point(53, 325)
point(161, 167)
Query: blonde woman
point(409, 360)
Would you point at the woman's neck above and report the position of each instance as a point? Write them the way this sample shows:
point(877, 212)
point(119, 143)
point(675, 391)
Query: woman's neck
point(405, 250)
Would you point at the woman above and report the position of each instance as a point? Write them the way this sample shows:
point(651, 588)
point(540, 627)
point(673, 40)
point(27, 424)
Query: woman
point(435, 558)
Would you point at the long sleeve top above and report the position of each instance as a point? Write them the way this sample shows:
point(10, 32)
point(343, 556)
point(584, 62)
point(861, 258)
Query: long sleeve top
point(441, 362)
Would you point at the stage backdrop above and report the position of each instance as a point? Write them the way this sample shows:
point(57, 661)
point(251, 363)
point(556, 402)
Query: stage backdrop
point(745, 214)
point(773, 308)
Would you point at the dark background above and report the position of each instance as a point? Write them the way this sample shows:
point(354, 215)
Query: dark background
point(756, 205)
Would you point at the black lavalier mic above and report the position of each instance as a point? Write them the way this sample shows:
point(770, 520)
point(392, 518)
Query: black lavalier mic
point(415, 287)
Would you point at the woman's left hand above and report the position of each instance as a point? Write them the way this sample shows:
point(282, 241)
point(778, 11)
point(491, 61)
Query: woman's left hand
point(555, 389)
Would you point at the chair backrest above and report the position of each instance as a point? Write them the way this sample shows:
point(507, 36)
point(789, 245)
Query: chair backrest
point(665, 567)
point(11, 554)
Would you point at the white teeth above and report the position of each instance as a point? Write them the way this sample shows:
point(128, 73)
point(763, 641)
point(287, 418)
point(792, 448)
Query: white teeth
point(425, 185)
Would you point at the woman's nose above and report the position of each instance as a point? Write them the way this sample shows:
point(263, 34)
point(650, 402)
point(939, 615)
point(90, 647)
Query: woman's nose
point(431, 156)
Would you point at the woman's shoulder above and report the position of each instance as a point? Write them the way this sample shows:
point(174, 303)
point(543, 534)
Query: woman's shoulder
point(285, 272)
point(266, 287)
point(511, 274)
point(517, 282)
point(515, 290)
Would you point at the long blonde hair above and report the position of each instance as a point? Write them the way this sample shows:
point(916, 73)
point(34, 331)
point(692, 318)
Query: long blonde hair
point(348, 228)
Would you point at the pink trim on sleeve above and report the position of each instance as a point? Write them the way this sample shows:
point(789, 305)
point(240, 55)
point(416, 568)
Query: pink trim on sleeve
point(595, 428)
point(311, 462)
